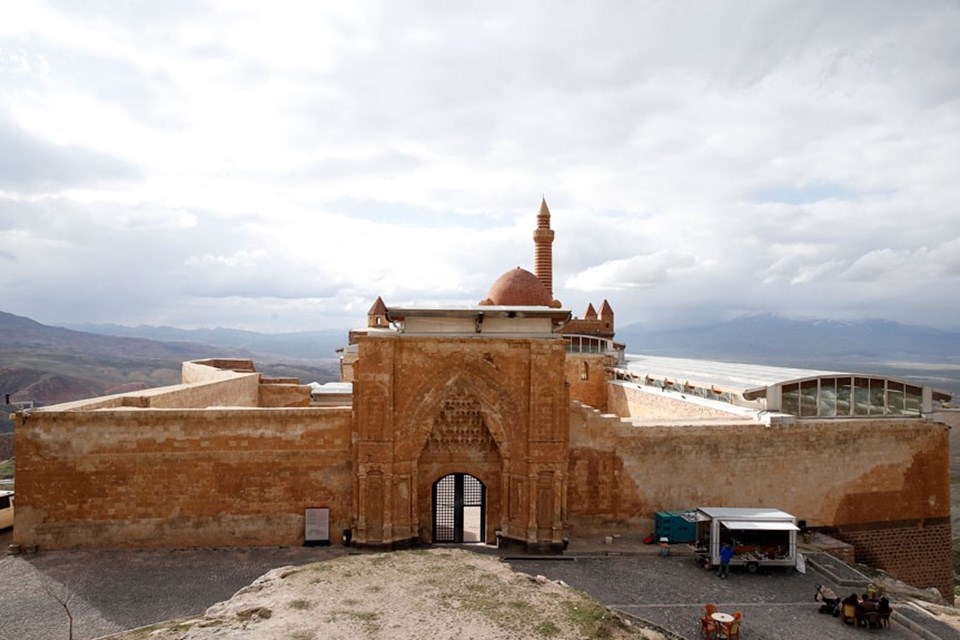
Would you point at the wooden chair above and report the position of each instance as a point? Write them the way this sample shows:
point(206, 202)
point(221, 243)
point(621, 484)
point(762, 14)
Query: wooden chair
point(710, 609)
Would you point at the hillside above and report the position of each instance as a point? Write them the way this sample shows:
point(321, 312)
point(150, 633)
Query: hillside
point(49, 365)
point(23, 334)
point(440, 593)
point(300, 346)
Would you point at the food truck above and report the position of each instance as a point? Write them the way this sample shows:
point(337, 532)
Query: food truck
point(759, 537)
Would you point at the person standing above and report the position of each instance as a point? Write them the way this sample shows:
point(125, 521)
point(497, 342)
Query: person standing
point(726, 555)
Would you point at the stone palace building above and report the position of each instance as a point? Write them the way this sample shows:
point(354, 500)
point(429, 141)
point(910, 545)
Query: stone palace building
point(507, 421)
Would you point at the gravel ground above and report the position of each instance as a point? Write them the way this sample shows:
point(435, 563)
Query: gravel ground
point(117, 590)
point(671, 592)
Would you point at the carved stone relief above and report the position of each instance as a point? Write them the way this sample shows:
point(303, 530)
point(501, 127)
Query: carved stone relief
point(460, 427)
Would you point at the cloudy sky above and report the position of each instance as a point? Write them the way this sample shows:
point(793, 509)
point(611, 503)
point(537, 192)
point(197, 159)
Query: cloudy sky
point(277, 165)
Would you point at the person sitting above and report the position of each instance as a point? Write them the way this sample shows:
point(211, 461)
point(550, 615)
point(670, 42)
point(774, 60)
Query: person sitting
point(849, 609)
point(869, 617)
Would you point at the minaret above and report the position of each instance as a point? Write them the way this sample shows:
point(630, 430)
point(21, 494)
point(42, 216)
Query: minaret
point(543, 241)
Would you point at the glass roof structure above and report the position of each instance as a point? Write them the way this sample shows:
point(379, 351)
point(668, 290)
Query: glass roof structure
point(727, 376)
point(793, 391)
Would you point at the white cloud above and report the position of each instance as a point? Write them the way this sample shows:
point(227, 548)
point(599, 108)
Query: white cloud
point(636, 272)
point(242, 258)
point(195, 162)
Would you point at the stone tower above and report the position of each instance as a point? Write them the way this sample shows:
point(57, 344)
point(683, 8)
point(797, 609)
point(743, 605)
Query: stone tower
point(377, 315)
point(543, 241)
point(606, 318)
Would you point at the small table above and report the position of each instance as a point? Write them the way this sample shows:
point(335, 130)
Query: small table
point(664, 546)
point(722, 619)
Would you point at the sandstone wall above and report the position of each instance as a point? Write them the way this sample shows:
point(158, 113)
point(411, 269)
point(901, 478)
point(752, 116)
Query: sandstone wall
point(148, 478)
point(213, 369)
point(240, 390)
point(852, 476)
point(226, 389)
point(623, 400)
point(586, 373)
point(284, 395)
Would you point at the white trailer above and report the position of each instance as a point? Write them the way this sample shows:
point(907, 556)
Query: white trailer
point(759, 537)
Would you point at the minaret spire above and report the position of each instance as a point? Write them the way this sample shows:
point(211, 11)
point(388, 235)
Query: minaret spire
point(543, 243)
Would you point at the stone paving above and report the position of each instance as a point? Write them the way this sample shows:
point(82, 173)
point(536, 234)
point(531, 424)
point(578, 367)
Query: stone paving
point(671, 592)
point(117, 590)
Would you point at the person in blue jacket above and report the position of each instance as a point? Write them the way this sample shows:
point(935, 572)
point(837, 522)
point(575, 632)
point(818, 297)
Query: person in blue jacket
point(726, 555)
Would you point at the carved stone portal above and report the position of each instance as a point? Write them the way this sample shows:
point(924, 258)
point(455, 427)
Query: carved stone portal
point(460, 428)
point(495, 409)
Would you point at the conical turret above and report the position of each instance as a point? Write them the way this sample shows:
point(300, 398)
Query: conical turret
point(606, 316)
point(377, 315)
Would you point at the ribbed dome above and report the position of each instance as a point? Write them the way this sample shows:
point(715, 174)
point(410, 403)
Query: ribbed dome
point(518, 288)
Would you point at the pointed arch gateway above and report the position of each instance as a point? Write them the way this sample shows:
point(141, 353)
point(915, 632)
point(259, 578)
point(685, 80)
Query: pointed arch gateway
point(459, 509)
point(461, 462)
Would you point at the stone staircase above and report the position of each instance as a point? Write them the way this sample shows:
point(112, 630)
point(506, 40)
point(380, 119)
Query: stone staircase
point(918, 620)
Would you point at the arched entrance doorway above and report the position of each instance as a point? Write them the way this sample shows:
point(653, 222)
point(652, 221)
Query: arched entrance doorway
point(459, 509)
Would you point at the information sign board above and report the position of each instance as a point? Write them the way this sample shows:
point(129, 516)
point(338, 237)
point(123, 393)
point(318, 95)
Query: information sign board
point(316, 526)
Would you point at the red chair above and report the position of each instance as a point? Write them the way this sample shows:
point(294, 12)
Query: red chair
point(709, 629)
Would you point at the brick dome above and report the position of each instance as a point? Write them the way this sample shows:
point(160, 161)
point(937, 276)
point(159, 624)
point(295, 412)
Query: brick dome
point(518, 288)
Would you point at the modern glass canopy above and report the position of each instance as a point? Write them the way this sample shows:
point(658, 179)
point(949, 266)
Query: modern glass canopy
point(798, 392)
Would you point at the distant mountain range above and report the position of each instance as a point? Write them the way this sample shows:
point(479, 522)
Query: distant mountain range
point(761, 338)
point(56, 364)
point(769, 338)
point(921, 354)
point(301, 346)
point(23, 333)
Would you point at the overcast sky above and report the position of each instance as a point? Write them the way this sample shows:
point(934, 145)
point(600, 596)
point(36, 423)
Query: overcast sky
point(277, 165)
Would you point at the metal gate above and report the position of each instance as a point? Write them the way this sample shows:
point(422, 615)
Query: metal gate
point(459, 509)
